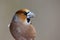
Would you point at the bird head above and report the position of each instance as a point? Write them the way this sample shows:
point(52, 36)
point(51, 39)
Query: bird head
point(25, 14)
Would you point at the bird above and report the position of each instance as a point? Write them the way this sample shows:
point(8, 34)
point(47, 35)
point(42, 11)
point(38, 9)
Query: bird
point(21, 27)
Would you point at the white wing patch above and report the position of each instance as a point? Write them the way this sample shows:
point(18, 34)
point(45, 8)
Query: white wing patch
point(8, 25)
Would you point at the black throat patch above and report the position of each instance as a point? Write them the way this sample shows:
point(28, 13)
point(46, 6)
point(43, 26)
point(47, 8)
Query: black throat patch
point(28, 20)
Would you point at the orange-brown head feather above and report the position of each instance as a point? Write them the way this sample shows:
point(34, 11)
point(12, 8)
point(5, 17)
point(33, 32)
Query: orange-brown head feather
point(21, 14)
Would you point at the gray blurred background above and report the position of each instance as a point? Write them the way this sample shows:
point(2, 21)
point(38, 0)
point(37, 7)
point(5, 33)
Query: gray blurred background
point(46, 22)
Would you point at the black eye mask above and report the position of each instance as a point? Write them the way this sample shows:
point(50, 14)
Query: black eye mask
point(28, 19)
point(26, 13)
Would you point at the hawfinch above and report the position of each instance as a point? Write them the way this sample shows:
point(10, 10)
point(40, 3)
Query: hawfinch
point(21, 27)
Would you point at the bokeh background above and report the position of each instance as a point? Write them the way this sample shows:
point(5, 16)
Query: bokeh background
point(46, 22)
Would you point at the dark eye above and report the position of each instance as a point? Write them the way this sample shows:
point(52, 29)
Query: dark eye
point(25, 13)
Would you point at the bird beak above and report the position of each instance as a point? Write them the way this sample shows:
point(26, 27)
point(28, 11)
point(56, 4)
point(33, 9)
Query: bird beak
point(30, 15)
point(33, 15)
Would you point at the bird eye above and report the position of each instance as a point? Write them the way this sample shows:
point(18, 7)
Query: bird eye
point(25, 13)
